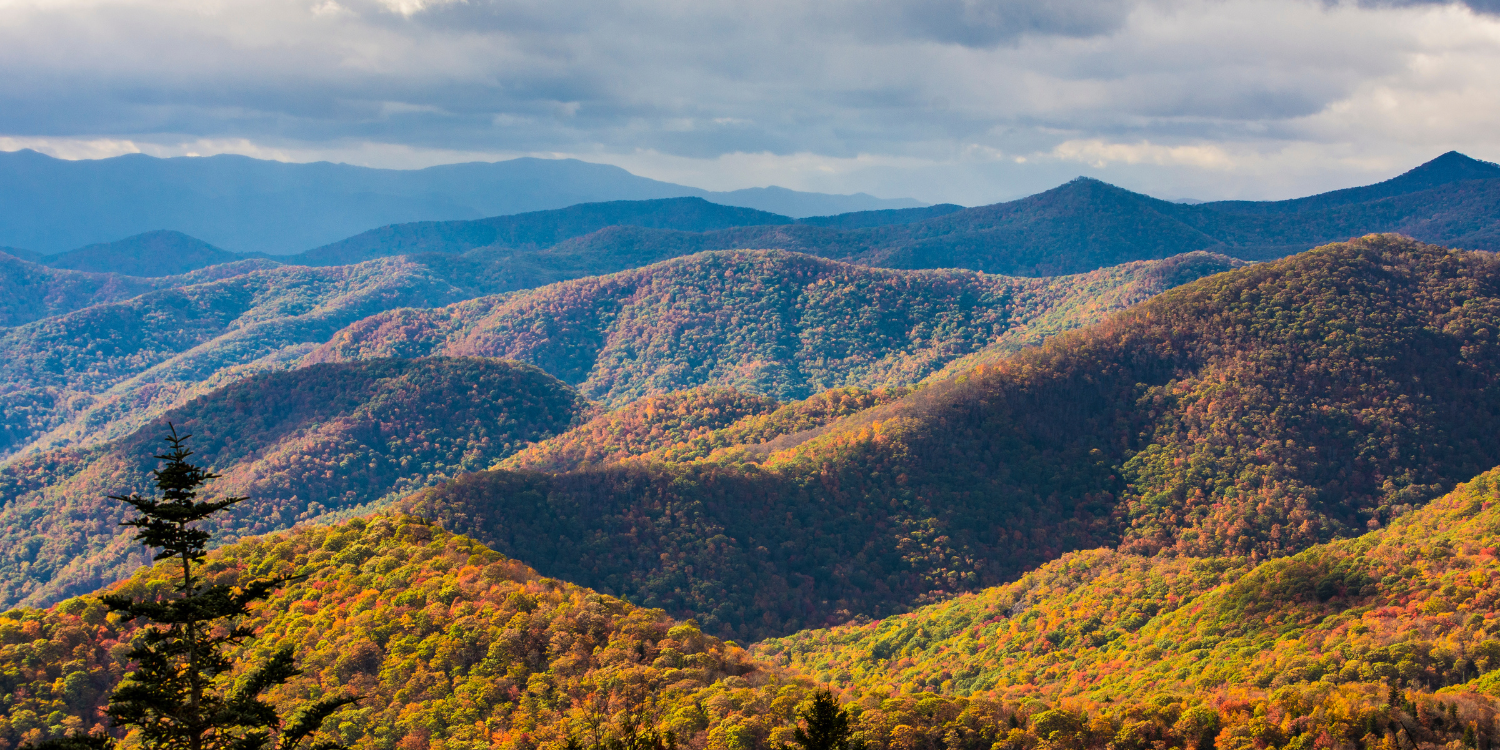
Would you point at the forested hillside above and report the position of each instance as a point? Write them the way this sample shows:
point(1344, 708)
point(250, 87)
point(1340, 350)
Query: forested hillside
point(30, 291)
point(302, 444)
point(1411, 606)
point(453, 645)
point(776, 323)
point(691, 425)
point(1252, 413)
point(103, 371)
point(100, 372)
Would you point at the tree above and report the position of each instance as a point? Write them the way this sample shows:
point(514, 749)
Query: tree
point(826, 726)
point(182, 695)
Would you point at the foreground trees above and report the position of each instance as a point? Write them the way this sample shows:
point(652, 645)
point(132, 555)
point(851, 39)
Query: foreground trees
point(183, 694)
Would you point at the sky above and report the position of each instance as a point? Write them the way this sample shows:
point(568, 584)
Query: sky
point(964, 101)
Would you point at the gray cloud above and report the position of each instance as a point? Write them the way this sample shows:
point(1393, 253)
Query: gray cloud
point(936, 98)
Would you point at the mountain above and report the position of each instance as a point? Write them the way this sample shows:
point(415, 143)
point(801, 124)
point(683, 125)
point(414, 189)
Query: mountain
point(886, 217)
point(535, 230)
point(1450, 168)
point(1252, 413)
point(303, 444)
point(19, 254)
point(1087, 224)
point(769, 322)
point(250, 205)
point(160, 253)
point(453, 644)
point(1405, 605)
point(103, 371)
point(30, 291)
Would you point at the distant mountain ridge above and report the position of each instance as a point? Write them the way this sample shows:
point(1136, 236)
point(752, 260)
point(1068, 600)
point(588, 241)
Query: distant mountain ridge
point(1074, 228)
point(1077, 227)
point(242, 204)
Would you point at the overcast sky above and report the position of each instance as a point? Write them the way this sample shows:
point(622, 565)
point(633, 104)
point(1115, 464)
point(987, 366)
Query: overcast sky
point(969, 101)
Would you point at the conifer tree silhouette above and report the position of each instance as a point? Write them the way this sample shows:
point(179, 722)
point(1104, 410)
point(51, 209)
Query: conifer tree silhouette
point(181, 695)
point(826, 726)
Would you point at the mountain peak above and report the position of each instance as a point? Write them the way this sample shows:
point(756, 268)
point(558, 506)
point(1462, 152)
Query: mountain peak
point(1450, 167)
point(162, 252)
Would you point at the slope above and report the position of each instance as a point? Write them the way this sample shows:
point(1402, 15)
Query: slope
point(1253, 413)
point(302, 443)
point(690, 426)
point(159, 253)
point(102, 371)
point(1410, 605)
point(453, 645)
point(775, 323)
point(30, 291)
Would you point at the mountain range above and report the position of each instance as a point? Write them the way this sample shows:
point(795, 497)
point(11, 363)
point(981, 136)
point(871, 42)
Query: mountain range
point(218, 349)
point(534, 472)
point(244, 205)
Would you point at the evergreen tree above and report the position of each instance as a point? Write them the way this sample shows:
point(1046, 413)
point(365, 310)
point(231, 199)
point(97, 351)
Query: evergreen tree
point(826, 726)
point(181, 695)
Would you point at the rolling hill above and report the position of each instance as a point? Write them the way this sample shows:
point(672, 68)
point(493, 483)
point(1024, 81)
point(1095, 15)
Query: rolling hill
point(768, 322)
point(1252, 413)
point(455, 645)
point(100, 372)
point(1410, 605)
point(303, 444)
point(103, 371)
point(30, 291)
point(160, 253)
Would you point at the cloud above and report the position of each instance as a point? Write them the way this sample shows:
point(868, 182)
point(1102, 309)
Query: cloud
point(964, 100)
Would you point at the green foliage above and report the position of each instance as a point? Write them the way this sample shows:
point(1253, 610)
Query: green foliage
point(304, 443)
point(1252, 413)
point(450, 643)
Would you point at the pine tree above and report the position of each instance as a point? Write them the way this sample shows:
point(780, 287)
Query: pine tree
point(182, 695)
point(826, 726)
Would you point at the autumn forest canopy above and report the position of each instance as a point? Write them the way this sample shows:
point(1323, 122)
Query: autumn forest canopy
point(668, 474)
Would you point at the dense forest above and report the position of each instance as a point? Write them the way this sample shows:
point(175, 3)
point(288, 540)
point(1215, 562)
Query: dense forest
point(103, 371)
point(100, 372)
point(692, 426)
point(1253, 413)
point(1411, 605)
point(781, 324)
point(454, 646)
point(303, 444)
point(29, 291)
